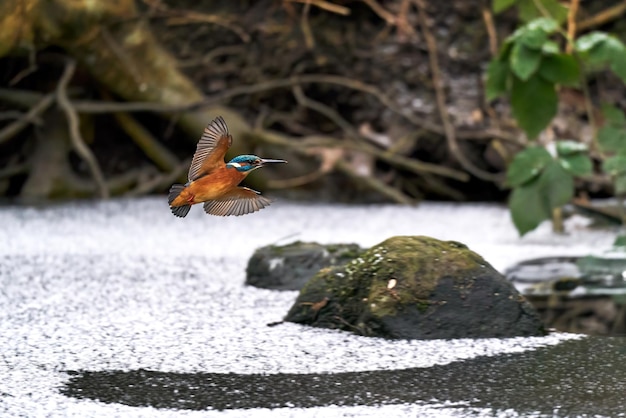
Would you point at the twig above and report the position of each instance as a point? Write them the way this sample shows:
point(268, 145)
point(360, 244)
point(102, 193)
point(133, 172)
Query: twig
point(189, 16)
point(116, 185)
point(160, 181)
point(309, 40)
point(159, 154)
point(73, 122)
point(375, 184)
point(21, 98)
point(380, 11)
point(571, 25)
point(571, 34)
point(404, 28)
point(13, 170)
point(32, 66)
point(295, 181)
point(329, 157)
point(453, 146)
point(325, 110)
point(11, 114)
point(387, 156)
point(399, 161)
point(491, 31)
point(85, 106)
point(16, 126)
point(440, 187)
point(603, 17)
point(326, 5)
point(211, 55)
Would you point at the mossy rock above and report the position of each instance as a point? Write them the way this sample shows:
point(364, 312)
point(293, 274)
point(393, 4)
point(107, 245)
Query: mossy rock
point(289, 267)
point(416, 287)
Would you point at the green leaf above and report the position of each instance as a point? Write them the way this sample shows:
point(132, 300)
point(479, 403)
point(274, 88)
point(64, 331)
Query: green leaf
point(528, 10)
point(606, 51)
point(615, 165)
point(534, 33)
point(578, 164)
point(612, 138)
point(524, 61)
point(618, 64)
point(527, 165)
point(550, 47)
point(573, 157)
point(505, 49)
point(533, 202)
point(560, 69)
point(501, 5)
point(546, 24)
point(497, 75)
point(532, 38)
point(534, 104)
point(565, 147)
point(613, 115)
point(588, 41)
point(527, 207)
point(557, 185)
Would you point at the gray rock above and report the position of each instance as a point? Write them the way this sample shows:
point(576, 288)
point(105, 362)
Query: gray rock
point(416, 287)
point(289, 267)
point(576, 294)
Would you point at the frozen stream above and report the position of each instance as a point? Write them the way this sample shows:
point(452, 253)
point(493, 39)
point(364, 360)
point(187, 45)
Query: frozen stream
point(120, 309)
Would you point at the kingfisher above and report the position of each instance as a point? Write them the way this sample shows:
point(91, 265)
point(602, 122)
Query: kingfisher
point(214, 182)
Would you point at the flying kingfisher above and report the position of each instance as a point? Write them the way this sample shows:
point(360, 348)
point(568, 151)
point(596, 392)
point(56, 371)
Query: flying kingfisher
point(214, 182)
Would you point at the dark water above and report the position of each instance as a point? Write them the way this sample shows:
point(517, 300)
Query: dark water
point(575, 378)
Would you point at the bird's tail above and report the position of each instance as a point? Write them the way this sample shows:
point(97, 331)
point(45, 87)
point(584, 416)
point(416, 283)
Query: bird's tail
point(180, 211)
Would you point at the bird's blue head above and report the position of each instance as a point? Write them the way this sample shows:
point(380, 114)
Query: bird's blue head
point(247, 163)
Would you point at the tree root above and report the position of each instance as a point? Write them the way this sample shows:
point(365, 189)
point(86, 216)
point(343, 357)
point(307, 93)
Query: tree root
point(35, 111)
point(73, 123)
point(115, 44)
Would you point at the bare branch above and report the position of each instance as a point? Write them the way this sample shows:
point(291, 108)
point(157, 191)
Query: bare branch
point(73, 122)
point(611, 13)
point(453, 146)
point(16, 126)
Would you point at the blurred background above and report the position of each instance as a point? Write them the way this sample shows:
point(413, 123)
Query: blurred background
point(369, 100)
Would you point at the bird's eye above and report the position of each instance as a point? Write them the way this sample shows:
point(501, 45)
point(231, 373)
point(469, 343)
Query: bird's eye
point(257, 162)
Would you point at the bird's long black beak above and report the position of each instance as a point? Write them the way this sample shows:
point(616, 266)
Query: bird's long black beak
point(270, 161)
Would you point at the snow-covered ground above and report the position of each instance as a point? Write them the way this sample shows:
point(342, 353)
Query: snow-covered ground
point(124, 285)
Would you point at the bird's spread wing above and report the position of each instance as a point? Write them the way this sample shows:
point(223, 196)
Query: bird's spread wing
point(211, 149)
point(239, 201)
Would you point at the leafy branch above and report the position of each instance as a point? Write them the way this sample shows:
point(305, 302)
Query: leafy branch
point(530, 68)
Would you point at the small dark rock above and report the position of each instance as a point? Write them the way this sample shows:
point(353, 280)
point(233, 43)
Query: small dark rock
point(289, 267)
point(575, 294)
point(416, 287)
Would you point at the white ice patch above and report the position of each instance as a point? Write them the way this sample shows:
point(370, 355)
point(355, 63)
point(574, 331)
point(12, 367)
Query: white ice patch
point(124, 285)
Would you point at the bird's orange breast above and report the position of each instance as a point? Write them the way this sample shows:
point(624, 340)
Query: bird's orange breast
point(215, 184)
